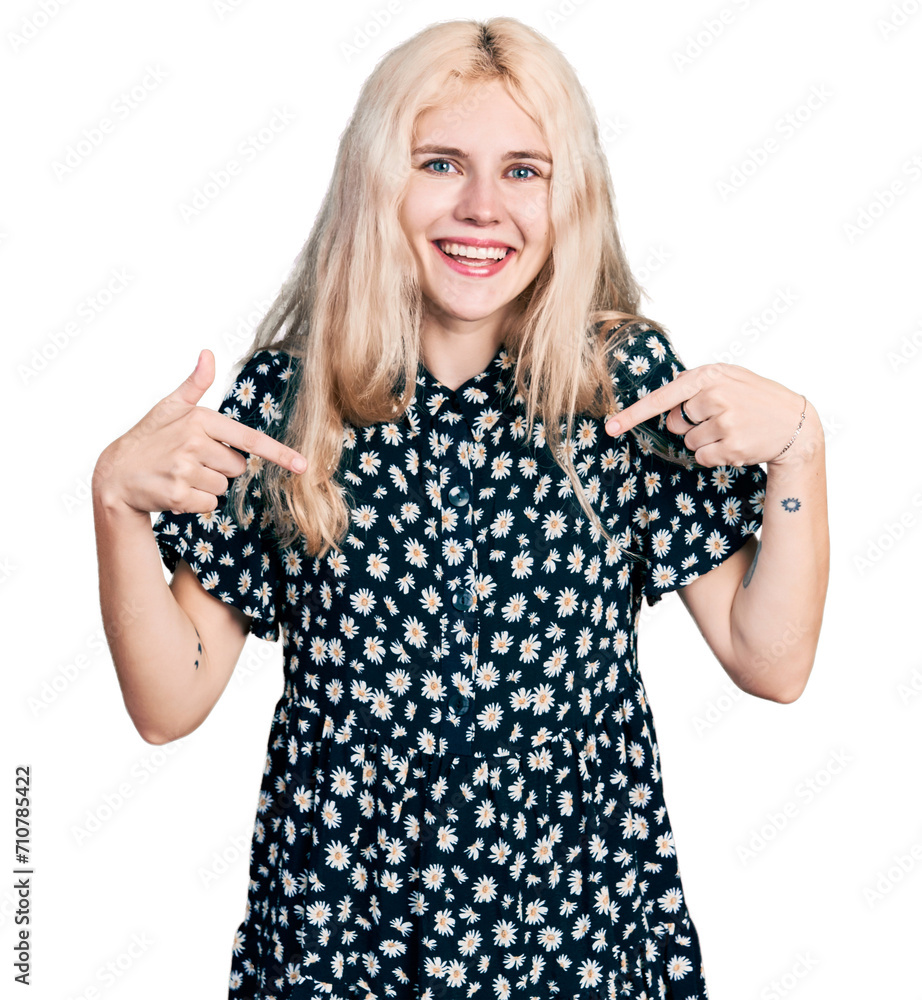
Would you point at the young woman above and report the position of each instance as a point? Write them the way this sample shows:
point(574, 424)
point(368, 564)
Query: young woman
point(452, 465)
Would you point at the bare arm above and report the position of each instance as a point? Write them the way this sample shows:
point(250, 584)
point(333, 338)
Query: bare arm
point(174, 646)
point(762, 609)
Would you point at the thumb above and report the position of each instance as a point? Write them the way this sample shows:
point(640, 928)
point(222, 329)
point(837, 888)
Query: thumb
point(194, 387)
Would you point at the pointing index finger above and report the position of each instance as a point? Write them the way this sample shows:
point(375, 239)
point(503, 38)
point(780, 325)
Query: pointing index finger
point(255, 442)
point(660, 400)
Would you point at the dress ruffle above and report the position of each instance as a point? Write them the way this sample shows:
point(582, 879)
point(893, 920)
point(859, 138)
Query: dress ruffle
point(397, 907)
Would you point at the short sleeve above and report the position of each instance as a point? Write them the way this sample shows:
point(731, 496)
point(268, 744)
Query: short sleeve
point(239, 564)
point(689, 518)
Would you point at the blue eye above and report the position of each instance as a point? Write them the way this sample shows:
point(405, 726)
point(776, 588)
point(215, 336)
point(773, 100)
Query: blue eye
point(434, 164)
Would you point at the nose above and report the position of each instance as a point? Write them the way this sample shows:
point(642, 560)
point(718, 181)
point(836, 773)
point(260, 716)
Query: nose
point(480, 200)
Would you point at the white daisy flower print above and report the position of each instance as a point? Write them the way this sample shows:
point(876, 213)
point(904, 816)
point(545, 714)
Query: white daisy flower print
point(462, 695)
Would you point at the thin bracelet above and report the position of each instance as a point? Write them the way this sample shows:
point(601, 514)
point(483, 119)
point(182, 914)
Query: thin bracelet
point(803, 417)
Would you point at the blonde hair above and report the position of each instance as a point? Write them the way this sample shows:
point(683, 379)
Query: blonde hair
point(352, 315)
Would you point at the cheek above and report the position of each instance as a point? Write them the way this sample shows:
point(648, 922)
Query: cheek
point(539, 235)
point(534, 219)
point(422, 205)
point(412, 212)
point(405, 216)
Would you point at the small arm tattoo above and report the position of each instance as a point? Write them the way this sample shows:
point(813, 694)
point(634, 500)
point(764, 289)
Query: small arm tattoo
point(752, 565)
point(791, 504)
point(199, 647)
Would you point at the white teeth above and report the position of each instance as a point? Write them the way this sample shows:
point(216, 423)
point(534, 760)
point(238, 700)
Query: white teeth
point(481, 253)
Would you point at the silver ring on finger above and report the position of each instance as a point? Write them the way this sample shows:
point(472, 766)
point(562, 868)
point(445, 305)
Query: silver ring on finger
point(686, 417)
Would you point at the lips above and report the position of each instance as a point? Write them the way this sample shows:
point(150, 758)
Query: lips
point(469, 242)
point(474, 266)
point(469, 251)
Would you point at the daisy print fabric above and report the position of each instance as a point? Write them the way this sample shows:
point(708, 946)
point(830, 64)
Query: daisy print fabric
point(462, 791)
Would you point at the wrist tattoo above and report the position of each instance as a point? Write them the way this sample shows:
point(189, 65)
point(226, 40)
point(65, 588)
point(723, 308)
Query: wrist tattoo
point(791, 504)
point(752, 565)
point(199, 647)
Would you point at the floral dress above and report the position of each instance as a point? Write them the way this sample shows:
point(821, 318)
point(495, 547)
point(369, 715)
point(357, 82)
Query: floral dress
point(462, 791)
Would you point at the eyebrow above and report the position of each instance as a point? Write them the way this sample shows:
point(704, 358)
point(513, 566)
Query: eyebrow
point(521, 154)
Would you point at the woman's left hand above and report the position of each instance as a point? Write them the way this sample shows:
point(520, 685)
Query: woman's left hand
point(739, 418)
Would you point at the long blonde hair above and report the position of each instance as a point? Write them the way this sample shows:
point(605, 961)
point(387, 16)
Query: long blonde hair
point(352, 314)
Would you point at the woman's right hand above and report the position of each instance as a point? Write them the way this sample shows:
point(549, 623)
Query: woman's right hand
point(174, 459)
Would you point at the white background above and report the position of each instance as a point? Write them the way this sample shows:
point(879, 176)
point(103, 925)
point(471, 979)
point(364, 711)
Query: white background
point(140, 852)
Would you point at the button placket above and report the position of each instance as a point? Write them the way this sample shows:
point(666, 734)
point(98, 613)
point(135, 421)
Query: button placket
point(461, 599)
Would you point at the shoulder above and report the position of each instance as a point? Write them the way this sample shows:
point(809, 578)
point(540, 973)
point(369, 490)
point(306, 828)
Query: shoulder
point(269, 365)
point(641, 358)
point(260, 387)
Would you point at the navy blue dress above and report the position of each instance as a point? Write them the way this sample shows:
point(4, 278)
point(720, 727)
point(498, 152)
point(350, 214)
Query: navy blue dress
point(463, 789)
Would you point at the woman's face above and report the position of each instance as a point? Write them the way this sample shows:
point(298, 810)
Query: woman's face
point(480, 177)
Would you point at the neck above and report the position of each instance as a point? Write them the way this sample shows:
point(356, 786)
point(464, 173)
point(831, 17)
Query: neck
point(453, 357)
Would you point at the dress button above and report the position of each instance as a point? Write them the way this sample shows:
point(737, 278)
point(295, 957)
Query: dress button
point(459, 703)
point(463, 600)
point(458, 495)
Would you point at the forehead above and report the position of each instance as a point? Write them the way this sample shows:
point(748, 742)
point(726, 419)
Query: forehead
point(475, 110)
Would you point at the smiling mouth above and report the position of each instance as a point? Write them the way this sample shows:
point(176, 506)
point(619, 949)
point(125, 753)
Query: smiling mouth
point(472, 256)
